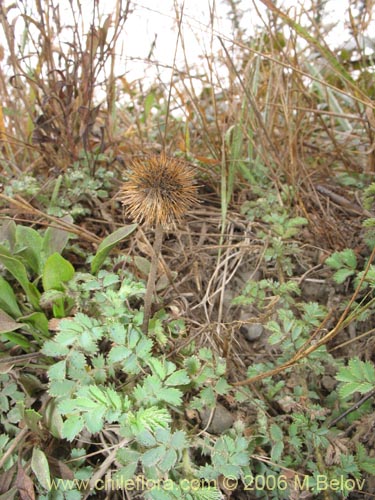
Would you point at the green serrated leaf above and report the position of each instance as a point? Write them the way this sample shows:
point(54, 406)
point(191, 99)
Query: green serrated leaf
point(349, 258)
point(163, 435)
point(153, 456)
point(79, 403)
point(118, 353)
point(298, 221)
point(346, 375)
point(367, 371)
point(143, 349)
point(57, 371)
point(341, 275)
point(355, 368)
point(241, 459)
point(170, 395)
point(67, 406)
point(145, 438)
point(192, 365)
point(118, 333)
point(109, 278)
point(158, 367)
point(348, 389)
point(334, 261)
point(276, 451)
point(346, 258)
point(365, 387)
point(168, 461)
point(94, 420)
point(365, 463)
point(87, 342)
point(114, 399)
point(72, 427)
point(131, 366)
point(230, 470)
point(133, 338)
point(368, 466)
point(179, 377)
point(276, 432)
point(98, 393)
point(61, 387)
point(126, 473)
point(358, 372)
point(54, 349)
point(127, 455)
point(222, 386)
point(178, 440)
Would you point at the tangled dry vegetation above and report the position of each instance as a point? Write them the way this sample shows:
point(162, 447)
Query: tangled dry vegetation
point(282, 151)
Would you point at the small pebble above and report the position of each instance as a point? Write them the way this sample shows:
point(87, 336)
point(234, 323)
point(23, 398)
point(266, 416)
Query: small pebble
point(221, 421)
point(252, 331)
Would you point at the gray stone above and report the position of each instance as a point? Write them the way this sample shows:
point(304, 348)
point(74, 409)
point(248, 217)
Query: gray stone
point(252, 331)
point(221, 420)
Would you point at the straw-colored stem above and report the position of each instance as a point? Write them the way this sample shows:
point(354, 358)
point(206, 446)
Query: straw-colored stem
point(152, 276)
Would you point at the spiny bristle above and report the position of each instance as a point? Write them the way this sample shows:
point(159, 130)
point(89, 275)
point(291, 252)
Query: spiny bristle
point(159, 190)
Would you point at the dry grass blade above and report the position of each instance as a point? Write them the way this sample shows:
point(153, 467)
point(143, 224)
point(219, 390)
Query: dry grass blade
point(24, 206)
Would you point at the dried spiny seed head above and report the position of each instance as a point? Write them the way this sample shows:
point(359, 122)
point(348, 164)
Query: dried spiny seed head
point(159, 190)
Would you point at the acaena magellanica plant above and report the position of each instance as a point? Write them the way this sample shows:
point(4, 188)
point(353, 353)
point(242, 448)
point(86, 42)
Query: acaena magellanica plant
point(158, 193)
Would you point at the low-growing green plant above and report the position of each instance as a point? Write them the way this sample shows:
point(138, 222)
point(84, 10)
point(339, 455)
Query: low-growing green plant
point(358, 376)
point(287, 115)
point(281, 226)
point(81, 184)
point(112, 373)
point(307, 438)
point(34, 262)
point(345, 265)
point(262, 292)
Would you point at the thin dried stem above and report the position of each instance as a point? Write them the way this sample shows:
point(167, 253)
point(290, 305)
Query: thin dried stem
point(152, 277)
